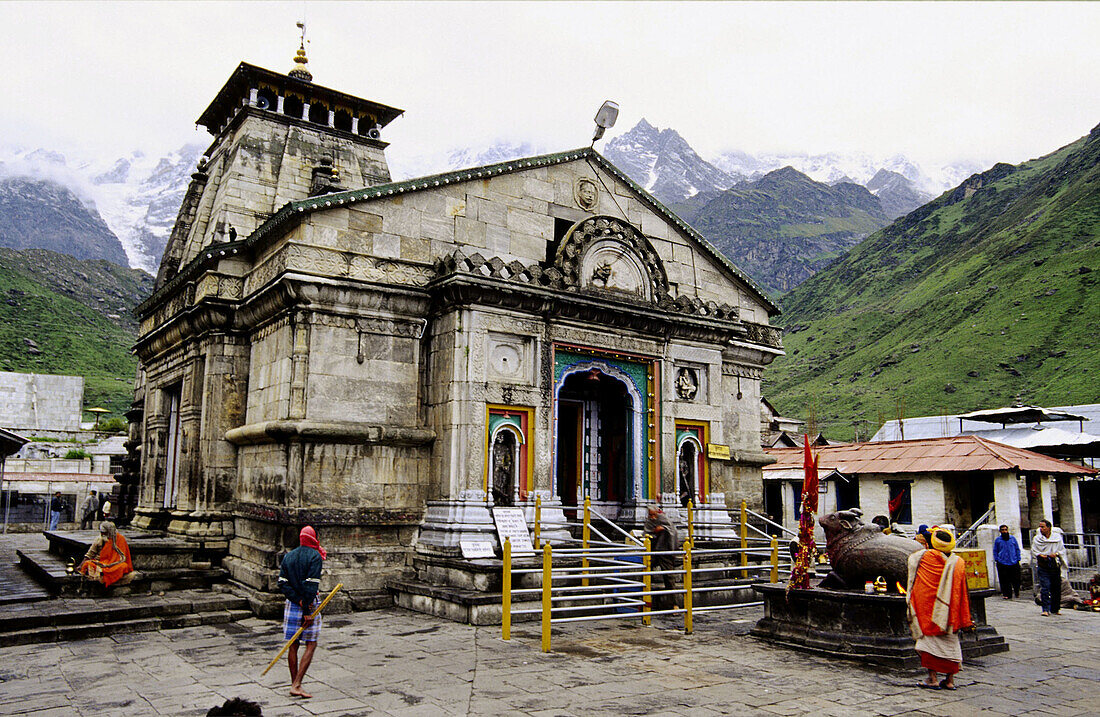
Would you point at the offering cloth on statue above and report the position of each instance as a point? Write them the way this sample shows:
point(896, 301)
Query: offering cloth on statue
point(939, 606)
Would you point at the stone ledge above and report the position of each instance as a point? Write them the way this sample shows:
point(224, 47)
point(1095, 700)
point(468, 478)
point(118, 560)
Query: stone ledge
point(289, 431)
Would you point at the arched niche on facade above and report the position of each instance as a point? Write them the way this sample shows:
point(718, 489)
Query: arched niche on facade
point(606, 254)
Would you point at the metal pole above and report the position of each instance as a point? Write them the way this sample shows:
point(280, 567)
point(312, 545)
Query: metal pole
point(7, 495)
point(775, 559)
point(688, 626)
point(647, 583)
point(538, 520)
point(506, 593)
point(744, 539)
point(585, 534)
point(546, 587)
point(49, 497)
point(691, 521)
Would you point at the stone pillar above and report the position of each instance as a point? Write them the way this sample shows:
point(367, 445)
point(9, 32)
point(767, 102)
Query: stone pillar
point(1069, 504)
point(1045, 499)
point(331, 118)
point(986, 534)
point(1006, 503)
point(279, 100)
point(355, 125)
point(253, 97)
point(305, 110)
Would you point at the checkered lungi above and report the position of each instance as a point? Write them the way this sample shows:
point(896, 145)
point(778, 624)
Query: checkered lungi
point(292, 620)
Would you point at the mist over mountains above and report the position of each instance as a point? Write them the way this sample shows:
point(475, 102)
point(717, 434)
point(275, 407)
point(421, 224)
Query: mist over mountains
point(136, 197)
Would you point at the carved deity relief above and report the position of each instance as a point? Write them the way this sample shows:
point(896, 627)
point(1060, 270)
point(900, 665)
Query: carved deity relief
point(586, 194)
point(687, 383)
point(611, 265)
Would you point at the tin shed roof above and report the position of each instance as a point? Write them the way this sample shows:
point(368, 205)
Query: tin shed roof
point(927, 455)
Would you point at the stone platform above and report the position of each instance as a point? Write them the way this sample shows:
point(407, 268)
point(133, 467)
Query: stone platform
point(872, 628)
point(160, 563)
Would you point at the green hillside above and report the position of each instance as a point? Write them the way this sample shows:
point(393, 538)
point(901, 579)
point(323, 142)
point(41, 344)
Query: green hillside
point(66, 316)
point(985, 296)
point(784, 226)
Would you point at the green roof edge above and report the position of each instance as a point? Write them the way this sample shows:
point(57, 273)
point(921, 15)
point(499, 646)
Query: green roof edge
point(337, 199)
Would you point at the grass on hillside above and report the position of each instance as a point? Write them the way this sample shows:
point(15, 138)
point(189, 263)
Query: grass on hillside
point(975, 305)
point(73, 340)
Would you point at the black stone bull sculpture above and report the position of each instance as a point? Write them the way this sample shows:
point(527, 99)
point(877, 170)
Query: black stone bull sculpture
point(859, 552)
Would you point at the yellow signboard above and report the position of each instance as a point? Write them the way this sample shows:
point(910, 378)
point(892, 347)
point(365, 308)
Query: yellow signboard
point(719, 451)
point(977, 571)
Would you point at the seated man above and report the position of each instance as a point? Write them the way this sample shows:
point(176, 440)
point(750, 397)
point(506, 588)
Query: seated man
point(108, 559)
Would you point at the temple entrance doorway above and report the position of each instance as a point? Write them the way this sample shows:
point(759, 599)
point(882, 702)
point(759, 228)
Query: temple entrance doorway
point(596, 440)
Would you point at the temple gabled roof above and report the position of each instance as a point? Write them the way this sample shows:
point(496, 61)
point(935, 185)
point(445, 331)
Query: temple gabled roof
point(304, 206)
point(293, 211)
point(928, 455)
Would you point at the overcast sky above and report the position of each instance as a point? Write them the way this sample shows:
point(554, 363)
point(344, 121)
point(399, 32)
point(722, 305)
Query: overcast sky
point(934, 81)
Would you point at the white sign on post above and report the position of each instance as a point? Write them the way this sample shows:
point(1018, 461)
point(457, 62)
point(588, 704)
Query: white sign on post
point(512, 525)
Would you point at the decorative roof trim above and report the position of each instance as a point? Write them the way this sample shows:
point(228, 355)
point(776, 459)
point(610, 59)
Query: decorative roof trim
point(291, 210)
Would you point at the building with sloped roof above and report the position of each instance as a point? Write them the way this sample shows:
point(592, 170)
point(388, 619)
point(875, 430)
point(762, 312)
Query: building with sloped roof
point(390, 361)
point(951, 480)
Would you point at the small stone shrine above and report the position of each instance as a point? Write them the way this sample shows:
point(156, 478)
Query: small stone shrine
point(388, 361)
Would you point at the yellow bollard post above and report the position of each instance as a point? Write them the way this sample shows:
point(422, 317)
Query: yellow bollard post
point(647, 585)
point(585, 535)
point(688, 626)
point(506, 593)
point(691, 521)
point(744, 539)
point(538, 520)
point(775, 559)
point(546, 588)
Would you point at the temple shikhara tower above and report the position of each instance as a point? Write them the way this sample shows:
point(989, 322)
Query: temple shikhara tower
point(387, 361)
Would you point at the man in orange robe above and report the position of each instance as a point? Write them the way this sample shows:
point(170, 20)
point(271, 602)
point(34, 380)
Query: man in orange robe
point(939, 606)
point(108, 559)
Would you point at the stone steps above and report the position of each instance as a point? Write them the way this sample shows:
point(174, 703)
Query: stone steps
point(49, 570)
point(66, 619)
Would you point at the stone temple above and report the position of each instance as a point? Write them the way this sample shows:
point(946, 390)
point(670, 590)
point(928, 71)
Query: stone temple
point(388, 361)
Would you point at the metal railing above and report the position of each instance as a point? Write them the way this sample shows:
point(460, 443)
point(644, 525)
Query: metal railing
point(605, 580)
point(1082, 558)
point(969, 538)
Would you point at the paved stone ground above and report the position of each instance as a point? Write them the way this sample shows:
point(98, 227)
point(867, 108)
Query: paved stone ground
point(393, 662)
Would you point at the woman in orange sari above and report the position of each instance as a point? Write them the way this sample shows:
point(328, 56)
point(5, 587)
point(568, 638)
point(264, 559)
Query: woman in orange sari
point(108, 559)
point(939, 606)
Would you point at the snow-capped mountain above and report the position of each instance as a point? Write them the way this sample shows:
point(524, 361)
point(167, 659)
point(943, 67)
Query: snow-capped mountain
point(138, 196)
point(665, 164)
point(897, 193)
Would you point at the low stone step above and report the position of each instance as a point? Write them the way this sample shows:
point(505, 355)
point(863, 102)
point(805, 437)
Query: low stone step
point(50, 570)
point(62, 613)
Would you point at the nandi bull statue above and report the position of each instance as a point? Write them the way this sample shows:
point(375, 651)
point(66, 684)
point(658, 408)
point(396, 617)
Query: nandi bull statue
point(859, 552)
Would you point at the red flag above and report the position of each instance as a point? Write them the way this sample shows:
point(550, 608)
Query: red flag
point(807, 551)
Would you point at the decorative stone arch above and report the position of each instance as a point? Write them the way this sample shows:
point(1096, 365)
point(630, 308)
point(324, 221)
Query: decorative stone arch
point(637, 411)
point(594, 248)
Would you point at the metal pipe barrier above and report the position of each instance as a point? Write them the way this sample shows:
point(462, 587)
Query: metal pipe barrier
point(607, 581)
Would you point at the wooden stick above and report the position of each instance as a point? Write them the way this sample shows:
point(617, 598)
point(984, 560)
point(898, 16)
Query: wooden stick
point(300, 629)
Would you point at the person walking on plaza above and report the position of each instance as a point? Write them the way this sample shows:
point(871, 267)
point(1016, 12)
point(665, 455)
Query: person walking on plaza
point(1048, 552)
point(300, 581)
point(1006, 553)
point(939, 607)
point(88, 511)
point(56, 506)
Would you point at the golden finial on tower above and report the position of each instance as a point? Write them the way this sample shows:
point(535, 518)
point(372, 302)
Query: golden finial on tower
point(301, 71)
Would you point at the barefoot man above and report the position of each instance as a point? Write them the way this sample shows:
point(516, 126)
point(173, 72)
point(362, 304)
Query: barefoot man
point(939, 606)
point(300, 579)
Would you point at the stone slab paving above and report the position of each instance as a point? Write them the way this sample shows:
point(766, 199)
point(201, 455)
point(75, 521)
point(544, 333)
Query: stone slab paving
point(15, 585)
point(393, 662)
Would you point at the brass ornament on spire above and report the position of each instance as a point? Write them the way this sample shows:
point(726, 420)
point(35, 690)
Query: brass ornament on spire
point(301, 71)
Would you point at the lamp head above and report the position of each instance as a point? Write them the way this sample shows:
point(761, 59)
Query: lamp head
point(605, 118)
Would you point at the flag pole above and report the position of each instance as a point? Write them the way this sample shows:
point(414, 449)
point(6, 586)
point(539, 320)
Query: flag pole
point(300, 629)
